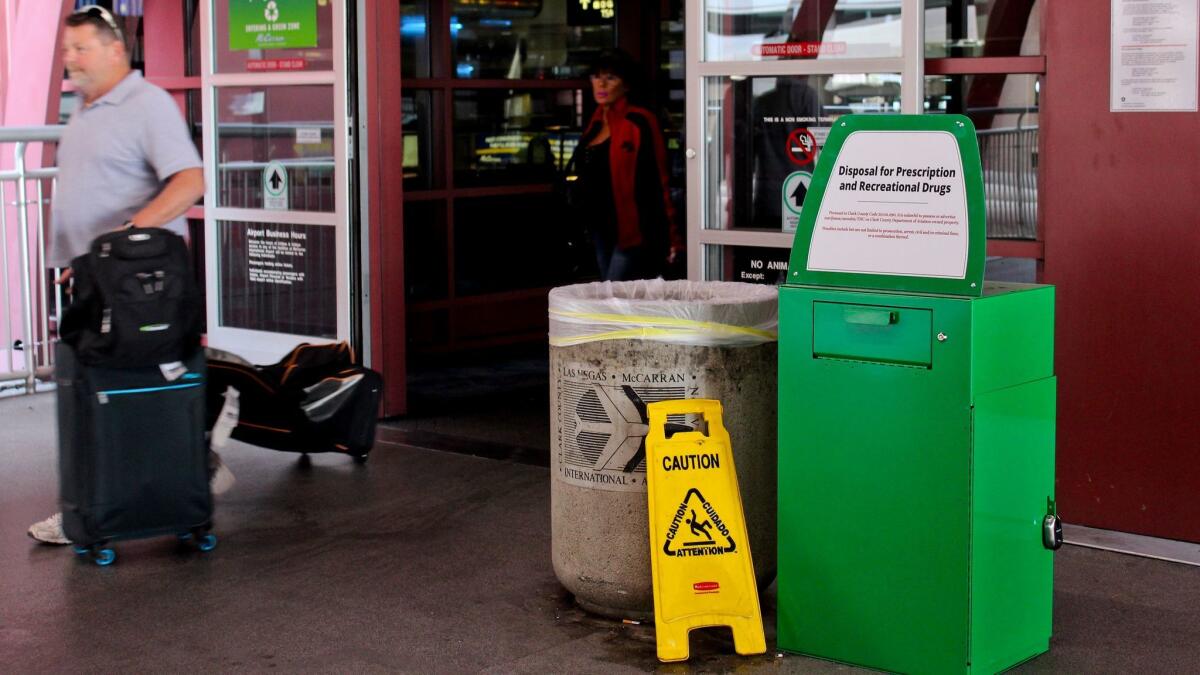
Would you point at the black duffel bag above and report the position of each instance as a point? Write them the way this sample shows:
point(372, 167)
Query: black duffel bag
point(135, 301)
point(318, 398)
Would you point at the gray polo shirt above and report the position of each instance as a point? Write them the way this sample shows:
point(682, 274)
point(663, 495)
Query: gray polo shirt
point(114, 157)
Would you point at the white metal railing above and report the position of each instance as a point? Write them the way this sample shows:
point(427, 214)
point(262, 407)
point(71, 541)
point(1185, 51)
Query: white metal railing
point(1009, 158)
point(30, 302)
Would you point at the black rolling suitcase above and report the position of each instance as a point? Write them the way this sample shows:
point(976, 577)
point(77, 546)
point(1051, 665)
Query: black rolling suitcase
point(133, 459)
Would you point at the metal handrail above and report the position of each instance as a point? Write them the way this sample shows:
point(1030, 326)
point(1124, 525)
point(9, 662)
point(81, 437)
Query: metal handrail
point(34, 341)
point(49, 132)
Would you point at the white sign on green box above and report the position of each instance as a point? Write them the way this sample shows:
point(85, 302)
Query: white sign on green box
point(895, 204)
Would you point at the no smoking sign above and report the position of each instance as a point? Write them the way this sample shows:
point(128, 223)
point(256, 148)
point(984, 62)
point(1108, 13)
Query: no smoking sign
point(801, 147)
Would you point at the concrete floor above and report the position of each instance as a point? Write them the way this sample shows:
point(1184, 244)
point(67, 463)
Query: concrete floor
point(425, 561)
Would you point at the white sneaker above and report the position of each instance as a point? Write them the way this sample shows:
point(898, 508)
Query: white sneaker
point(49, 531)
point(221, 478)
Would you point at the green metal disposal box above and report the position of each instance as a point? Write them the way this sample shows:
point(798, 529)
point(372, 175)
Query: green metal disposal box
point(916, 415)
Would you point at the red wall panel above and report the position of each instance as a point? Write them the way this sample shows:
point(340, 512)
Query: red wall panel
point(1121, 211)
point(385, 185)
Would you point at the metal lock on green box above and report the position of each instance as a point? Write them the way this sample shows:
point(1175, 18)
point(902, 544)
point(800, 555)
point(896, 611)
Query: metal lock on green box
point(916, 418)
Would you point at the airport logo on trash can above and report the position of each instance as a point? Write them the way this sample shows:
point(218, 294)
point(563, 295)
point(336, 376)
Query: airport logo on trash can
point(602, 422)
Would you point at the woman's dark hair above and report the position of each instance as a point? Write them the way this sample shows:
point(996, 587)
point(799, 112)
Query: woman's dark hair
point(619, 63)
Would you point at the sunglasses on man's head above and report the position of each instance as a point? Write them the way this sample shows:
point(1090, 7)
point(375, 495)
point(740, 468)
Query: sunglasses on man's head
point(104, 15)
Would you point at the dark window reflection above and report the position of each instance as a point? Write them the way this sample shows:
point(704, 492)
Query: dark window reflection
point(505, 136)
point(960, 28)
point(420, 169)
point(767, 128)
point(509, 243)
point(290, 124)
point(425, 251)
point(414, 38)
point(193, 114)
point(195, 227)
point(191, 34)
point(531, 39)
point(67, 105)
point(1004, 109)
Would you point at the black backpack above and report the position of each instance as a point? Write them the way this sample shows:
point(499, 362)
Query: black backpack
point(135, 300)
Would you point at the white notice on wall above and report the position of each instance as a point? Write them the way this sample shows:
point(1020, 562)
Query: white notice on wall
point(1153, 55)
point(895, 204)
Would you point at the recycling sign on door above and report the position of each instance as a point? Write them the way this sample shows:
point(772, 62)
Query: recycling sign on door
point(272, 24)
point(275, 187)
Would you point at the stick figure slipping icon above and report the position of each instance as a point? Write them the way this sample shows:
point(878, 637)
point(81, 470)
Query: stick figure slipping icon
point(699, 529)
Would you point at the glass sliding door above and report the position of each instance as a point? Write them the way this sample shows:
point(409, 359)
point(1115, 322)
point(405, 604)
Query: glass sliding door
point(276, 133)
point(765, 82)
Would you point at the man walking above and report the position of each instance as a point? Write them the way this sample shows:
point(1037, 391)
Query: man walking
point(126, 159)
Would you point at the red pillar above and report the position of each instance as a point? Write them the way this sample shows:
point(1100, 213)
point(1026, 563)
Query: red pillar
point(385, 187)
point(1121, 214)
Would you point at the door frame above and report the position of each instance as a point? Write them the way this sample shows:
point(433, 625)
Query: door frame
point(255, 345)
point(910, 65)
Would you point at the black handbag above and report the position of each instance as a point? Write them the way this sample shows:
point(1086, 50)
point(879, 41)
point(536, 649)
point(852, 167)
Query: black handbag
point(572, 236)
point(569, 188)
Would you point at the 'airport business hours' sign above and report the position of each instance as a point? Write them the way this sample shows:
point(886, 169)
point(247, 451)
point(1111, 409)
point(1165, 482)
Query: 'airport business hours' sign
point(272, 24)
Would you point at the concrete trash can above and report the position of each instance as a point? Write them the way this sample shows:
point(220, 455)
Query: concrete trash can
point(614, 347)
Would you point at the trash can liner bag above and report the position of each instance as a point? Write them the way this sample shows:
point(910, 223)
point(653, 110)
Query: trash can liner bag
point(704, 313)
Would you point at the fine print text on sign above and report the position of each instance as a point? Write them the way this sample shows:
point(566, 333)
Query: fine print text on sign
point(279, 278)
point(272, 255)
point(1153, 61)
point(895, 204)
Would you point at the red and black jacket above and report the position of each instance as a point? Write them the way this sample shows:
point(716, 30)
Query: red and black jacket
point(638, 161)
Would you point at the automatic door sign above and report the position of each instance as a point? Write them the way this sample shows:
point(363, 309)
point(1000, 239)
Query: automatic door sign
point(795, 189)
point(601, 422)
point(700, 555)
point(801, 147)
point(275, 187)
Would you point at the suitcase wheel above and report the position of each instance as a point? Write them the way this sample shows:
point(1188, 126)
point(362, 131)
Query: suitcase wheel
point(97, 553)
point(207, 542)
point(360, 459)
point(103, 556)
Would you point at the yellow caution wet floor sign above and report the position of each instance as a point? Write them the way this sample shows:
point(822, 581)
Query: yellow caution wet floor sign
point(700, 554)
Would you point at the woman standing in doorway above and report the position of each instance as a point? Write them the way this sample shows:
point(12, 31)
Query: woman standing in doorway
point(622, 167)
